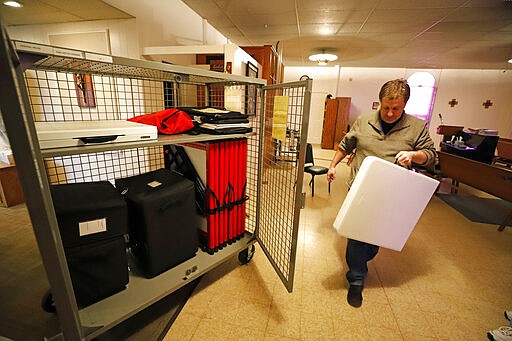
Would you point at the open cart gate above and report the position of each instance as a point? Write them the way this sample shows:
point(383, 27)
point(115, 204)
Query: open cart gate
point(286, 108)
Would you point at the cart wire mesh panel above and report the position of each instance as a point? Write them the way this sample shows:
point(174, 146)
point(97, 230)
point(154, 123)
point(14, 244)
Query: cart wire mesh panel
point(286, 121)
point(55, 96)
point(71, 89)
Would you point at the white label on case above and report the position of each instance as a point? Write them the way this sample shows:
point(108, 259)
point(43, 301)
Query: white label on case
point(154, 184)
point(92, 226)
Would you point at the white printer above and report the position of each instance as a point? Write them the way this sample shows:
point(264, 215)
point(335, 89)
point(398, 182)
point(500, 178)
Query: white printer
point(57, 134)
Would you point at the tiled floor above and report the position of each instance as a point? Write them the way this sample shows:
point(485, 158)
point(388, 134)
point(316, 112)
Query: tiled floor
point(452, 281)
point(23, 280)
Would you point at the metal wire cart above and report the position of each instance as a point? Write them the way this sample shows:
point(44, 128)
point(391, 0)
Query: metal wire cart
point(39, 83)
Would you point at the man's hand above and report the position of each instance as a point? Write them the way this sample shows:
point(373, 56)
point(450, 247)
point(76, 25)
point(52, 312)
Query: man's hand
point(406, 158)
point(338, 156)
point(331, 174)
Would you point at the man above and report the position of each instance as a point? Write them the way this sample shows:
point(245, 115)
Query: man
point(393, 135)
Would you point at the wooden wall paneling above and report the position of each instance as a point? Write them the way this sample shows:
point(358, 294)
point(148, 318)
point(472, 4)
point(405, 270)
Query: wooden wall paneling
point(329, 126)
point(341, 119)
point(335, 121)
point(267, 57)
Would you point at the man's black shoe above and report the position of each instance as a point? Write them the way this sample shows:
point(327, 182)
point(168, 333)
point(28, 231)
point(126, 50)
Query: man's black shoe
point(354, 296)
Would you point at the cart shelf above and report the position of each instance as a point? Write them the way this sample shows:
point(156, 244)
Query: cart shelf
point(161, 141)
point(142, 292)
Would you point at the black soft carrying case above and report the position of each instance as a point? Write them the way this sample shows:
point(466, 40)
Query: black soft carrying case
point(98, 270)
point(88, 201)
point(163, 221)
point(96, 256)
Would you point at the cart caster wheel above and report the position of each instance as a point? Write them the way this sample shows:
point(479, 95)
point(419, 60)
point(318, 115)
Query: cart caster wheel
point(246, 255)
point(47, 303)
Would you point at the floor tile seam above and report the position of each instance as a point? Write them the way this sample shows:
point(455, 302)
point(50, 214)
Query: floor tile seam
point(275, 303)
point(389, 302)
point(300, 326)
point(191, 337)
point(428, 321)
point(193, 332)
point(266, 323)
point(330, 312)
point(403, 333)
point(453, 315)
point(228, 324)
point(275, 333)
point(268, 320)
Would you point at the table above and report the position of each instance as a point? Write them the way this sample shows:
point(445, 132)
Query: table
point(494, 180)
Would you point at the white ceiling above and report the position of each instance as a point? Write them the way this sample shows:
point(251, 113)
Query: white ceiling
point(474, 34)
point(36, 12)
point(372, 33)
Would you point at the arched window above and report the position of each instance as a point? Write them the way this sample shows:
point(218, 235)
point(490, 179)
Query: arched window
point(423, 91)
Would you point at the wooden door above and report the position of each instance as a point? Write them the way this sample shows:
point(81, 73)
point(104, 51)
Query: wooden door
point(341, 119)
point(329, 127)
point(335, 121)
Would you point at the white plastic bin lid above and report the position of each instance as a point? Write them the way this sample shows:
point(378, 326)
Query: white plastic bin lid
point(384, 204)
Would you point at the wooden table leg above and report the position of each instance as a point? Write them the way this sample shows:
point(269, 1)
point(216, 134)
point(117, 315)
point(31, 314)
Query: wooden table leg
point(507, 221)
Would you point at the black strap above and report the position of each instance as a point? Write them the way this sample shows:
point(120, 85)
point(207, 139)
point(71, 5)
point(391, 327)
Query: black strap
point(228, 204)
point(164, 126)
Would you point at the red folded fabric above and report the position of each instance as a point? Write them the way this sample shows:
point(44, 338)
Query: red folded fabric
point(168, 121)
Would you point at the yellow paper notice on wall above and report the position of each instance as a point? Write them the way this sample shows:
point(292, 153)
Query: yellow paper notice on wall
point(280, 117)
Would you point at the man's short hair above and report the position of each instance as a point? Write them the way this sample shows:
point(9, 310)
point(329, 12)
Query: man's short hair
point(395, 89)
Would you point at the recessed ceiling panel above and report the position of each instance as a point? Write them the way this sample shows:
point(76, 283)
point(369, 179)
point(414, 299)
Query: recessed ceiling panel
point(476, 26)
point(272, 19)
point(415, 16)
point(379, 33)
point(241, 7)
point(340, 5)
point(332, 16)
point(420, 4)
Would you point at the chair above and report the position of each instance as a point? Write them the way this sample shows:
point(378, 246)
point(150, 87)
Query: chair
point(309, 167)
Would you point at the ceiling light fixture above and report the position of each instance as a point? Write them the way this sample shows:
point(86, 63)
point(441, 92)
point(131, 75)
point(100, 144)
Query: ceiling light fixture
point(13, 4)
point(510, 61)
point(323, 58)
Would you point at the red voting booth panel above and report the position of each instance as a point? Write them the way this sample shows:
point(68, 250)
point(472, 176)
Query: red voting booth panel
point(223, 170)
point(242, 180)
point(211, 200)
point(232, 223)
point(216, 191)
point(226, 182)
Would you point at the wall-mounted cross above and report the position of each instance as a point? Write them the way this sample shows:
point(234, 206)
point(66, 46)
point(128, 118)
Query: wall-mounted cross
point(487, 104)
point(453, 102)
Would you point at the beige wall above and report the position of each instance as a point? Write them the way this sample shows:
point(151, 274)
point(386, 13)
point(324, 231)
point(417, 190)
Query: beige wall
point(128, 37)
point(120, 34)
point(469, 87)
